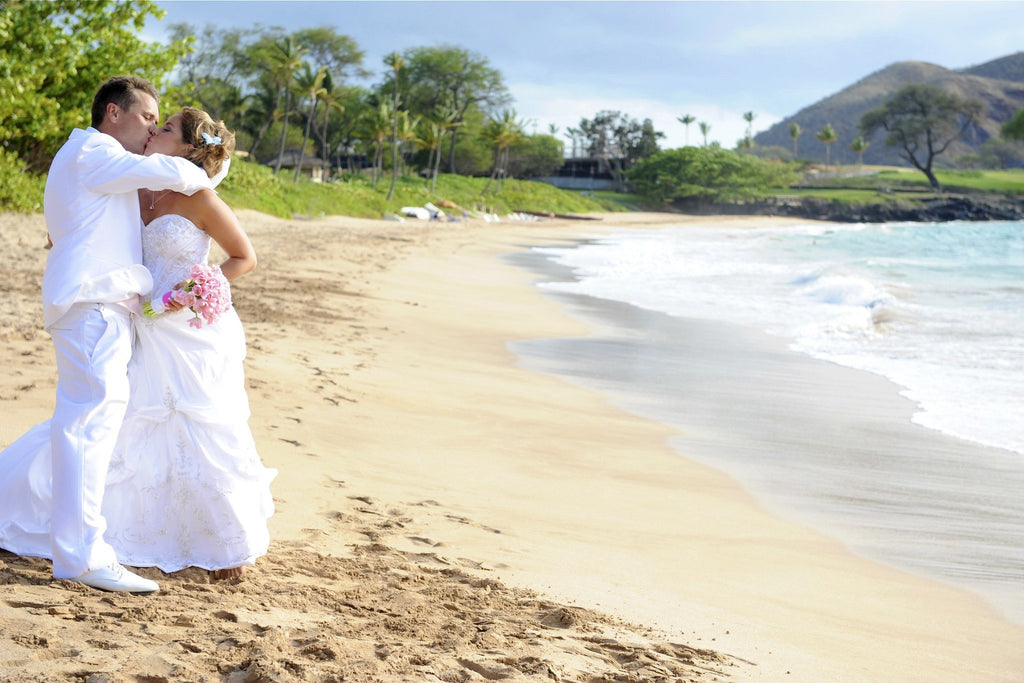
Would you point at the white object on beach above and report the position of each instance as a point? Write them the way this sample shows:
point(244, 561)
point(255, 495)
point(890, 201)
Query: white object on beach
point(416, 212)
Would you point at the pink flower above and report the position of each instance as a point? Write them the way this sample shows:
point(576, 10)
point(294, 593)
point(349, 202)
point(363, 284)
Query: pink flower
point(207, 294)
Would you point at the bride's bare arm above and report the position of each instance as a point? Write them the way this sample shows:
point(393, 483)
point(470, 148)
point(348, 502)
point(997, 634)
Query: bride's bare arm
point(215, 217)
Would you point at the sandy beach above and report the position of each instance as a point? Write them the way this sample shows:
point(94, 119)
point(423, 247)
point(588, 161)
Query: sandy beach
point(444, 514)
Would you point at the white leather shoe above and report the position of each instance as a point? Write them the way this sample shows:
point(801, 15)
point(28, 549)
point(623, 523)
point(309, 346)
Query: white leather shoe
point(117, 579)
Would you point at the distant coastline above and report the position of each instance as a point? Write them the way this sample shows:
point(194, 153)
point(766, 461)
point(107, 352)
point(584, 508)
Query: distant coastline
point(951, 207)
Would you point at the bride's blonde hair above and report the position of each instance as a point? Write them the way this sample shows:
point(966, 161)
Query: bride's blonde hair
point(213, 142)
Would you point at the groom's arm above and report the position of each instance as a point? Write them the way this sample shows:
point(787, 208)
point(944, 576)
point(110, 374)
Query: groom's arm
point(107, 168)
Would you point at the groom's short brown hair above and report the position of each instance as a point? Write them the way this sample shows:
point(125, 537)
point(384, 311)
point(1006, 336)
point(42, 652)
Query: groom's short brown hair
point(121, 91)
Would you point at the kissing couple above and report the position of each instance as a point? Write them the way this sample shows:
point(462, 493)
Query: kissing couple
point(148, 460)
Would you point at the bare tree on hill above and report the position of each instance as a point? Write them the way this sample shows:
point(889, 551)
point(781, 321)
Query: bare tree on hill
point(922, 121)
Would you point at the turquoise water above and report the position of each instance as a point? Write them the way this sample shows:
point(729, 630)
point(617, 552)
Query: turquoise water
point(931, 483)
point(937, 308)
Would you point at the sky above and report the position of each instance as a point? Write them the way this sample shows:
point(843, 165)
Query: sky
point(565, 61)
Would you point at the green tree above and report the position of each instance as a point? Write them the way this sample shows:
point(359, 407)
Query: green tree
point(996, 152)
point(794, 132)
point(502, 132)
point(574, 135)
point(705, 128)
point(438, 126)
point(749, 118)
point(259, 116)
point(644, 144)
point(692, 175)
point(213, 72)
point(686, 120)
point(922, 121)
point(536, 156)
point(1014, 128)
point(53, 57)
point(355, 104)
point(858, 145)
point(376, 127)
point(311, 86)
point(331, 95)
point(465, 79)
point(827, 135)
point(408, 138)
point(287, 58)
point(339, 54)
point(618, 141)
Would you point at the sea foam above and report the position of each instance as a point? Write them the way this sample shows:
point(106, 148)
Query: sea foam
point(937, 308)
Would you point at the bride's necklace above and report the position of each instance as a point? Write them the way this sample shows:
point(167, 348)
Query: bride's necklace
point(153, 199)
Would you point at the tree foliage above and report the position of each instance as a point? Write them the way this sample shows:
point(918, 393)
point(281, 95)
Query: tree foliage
point(536, 156)
point(699, 174)
point(53, 57)
point(1001, 152)
point(1014, 128)
point(794, 133)
point(618, 141)
point(447, 76)
point(827, 135)
point(922, 121)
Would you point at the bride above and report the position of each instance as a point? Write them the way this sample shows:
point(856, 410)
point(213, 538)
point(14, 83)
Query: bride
point(185, 486)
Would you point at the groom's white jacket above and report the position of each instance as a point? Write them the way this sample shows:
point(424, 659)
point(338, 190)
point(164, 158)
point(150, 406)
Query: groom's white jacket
point(92, 216)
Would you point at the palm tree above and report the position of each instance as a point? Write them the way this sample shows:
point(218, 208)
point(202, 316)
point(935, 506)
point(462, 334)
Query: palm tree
point(794, 132)
point(502, 132)
point(408, 135)
point(705, 128)
point(828, 136)
point(311, 86)
point(395, 61)
point(431, 136)
point(287, 55)
point(443, 120)
point(574, 135)
point(262, 113)
point(331, 98)
point(858, 146)
point(686, 120)
point(376, 125)
point(749, 118)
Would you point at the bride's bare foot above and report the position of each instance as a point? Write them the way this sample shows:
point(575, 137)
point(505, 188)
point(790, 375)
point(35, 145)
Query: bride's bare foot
point(232, 573)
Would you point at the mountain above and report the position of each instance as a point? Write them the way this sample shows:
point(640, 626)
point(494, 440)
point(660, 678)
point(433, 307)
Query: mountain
point(999, 84)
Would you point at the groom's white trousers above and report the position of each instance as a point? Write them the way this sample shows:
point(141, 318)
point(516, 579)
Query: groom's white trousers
point(93, 343)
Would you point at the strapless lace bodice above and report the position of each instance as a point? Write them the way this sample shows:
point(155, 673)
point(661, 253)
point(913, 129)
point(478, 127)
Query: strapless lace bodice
point(171, 245)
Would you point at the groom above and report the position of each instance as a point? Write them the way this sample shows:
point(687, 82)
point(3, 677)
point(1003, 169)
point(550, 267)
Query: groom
point(91, 286)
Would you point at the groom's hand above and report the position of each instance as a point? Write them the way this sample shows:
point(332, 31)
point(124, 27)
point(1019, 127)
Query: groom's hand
point(173, 305)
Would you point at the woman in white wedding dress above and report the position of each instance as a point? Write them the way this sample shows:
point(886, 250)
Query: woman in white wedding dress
point(185, 487)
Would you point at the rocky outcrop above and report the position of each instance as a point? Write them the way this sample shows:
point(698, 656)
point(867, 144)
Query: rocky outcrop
point(937, 209)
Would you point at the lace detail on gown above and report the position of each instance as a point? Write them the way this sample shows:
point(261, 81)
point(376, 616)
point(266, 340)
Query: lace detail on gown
point(171, 245)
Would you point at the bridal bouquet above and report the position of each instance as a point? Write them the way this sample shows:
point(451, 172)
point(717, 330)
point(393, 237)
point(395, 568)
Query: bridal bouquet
point(206, 293)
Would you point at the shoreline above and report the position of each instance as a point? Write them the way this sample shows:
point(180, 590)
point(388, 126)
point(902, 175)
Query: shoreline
point(817, 442)
point(414, 452)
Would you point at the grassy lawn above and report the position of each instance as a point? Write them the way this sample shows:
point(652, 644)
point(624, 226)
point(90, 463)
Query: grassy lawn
point(879, 184)
point(252, 186)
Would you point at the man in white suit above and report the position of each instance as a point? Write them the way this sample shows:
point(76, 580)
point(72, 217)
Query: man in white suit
point(92, 285)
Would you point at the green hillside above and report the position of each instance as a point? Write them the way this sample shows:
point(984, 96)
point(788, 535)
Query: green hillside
point(997, 84)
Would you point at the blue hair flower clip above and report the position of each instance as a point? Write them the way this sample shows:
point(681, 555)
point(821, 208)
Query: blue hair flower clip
point(211, 139)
